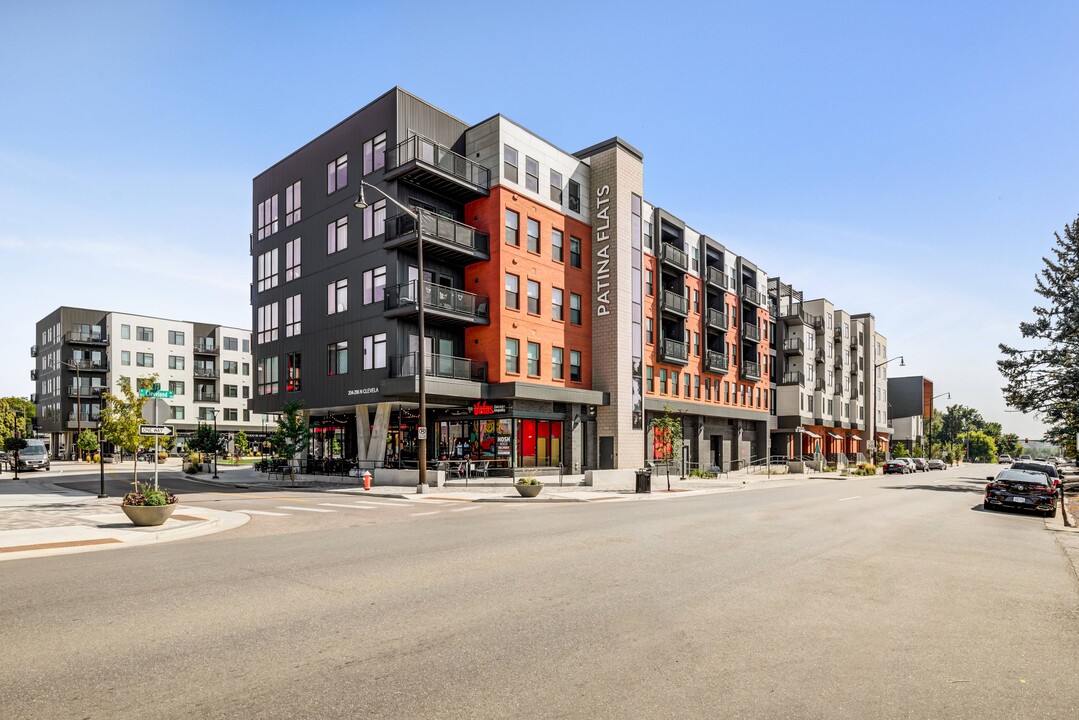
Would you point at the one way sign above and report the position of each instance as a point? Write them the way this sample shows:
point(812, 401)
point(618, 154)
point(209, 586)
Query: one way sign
point(155, 430)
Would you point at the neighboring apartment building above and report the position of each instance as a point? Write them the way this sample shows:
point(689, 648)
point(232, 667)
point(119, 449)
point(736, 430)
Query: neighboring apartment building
point(831, 367)
point(910, 409)
point(82, 353)
point(563, 311)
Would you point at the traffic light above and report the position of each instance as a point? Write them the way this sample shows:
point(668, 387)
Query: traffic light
point(1026, 441)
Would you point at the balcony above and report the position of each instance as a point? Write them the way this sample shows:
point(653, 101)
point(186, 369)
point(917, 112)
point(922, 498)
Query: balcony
point(441, 304)
point(210, 373)
point(33, 351)
point(207, 397)
point(674, 351)
point(793, 346)
point(85, 391)
point(674, 257)
point(715, 362)
point(819, 356)
point(206, 346)
point(91, 365)
point(754, 296)
point(84, 420)
point(33, 398)
point(751, 370)
point(793, 377)
point(854, 342)
point(429, 165)
point(838, 333)
point(77, 337)
point(716, 319)
point(442, 366)
point(33, 374)
point(443, 238)
point(838, 360)
point(674, 302)
point(751, 333)
point(819, 385)
point(794, 314)
point(715, 276)
point(854, 395)
point(818, 323)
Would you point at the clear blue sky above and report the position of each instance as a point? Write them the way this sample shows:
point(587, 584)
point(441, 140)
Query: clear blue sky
point(910, 159)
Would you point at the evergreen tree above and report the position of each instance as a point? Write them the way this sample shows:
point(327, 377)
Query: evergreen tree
point(1045, 379)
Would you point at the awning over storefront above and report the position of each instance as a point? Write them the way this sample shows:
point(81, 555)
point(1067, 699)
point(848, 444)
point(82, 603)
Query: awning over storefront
point(855, 437)
point(837, 437)
point(811, 434)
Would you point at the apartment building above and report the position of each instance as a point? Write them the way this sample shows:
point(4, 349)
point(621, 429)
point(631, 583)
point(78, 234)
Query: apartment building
point(563, 311)
point(910, 409)
point(82, 353)
point(827, 387)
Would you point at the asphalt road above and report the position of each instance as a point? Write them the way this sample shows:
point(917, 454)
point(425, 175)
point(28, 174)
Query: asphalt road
point(893, 597)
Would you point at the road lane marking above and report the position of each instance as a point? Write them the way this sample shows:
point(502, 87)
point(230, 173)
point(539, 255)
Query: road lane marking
point(350, 507)
point(850, 498)
point(301, 509)
point(464, 509)
point(433, 512)
point(375, 503)
point(263, 512)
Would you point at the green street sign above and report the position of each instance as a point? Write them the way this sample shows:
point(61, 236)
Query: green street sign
point(156, 393)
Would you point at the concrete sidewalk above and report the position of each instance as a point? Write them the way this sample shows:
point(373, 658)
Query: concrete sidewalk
point(38, 518)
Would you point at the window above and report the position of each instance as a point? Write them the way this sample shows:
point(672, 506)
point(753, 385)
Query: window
point(374, 285)
point(697, 387)
point(125, 332)
point(575, 365)
point(229, 367)
point(533, 297)
point(292, 316)
point(232, 391)
point(556, 363)
point(649, 379)
point(176, 363)
point(266, 372)
point(574, 196)
point(246, 345)
point(509, 163)
point(206, 413)
point(337, 174)
point(513, 351)
point(648, 336)
point(247, 368)
point(144, 360)
point(267, 217)
point(648, 282)
point(176, 412)
point(697, 344)
point(556, 245)
point(374, 154)
point(513, 226)
point(176, 387)
point(337, 297)
point(648, 234)
point(513, 290)
point(292, 259)
point(574, 252)
point(533, 235)
point(232, 344)
point(267, 323)
point(696, 301)
point(125, 357)
point(337, 358)
point(575, 308)
point(556, 187)
point(374, 351)
point(663, 381)
point(556, 303)
point(144, 334)
point(246, 392)
point(337, 235)
point(292, 378)
point(292, 203)
point(230, 414)
point(374, 219)
point(533, 358)
point(176, 337)
point(267, 270)
point(674, 382)
point(531, 174)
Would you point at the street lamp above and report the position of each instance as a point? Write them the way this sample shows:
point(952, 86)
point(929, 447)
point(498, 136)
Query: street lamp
point(872, 442)
point(931, 416)
point(78, 402)
point(18, 414)
point(217, 440)
point(421, 428)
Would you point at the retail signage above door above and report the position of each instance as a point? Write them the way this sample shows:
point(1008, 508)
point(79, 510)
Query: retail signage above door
point(480, 408)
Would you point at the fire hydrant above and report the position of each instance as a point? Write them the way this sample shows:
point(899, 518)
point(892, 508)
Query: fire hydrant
point(366, 479)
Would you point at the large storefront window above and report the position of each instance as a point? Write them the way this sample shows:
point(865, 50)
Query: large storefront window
point(539, 443)
point(477, 440)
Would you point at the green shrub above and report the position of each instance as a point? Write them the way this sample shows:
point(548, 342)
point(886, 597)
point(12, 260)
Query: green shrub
point(529, 481)
point(146, 495)
point(696, 472)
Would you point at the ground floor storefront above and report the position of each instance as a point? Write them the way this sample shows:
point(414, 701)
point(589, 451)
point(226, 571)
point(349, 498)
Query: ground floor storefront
point(708, 442)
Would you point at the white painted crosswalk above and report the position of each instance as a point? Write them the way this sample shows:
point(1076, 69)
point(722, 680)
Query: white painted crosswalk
point(373, 505)
point(302, 509)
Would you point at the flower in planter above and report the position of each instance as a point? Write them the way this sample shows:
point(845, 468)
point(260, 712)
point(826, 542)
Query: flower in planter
point(145, 495)
point(529, 481)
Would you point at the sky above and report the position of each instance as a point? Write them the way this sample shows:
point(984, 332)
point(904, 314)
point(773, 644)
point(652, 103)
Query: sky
point(908, 159)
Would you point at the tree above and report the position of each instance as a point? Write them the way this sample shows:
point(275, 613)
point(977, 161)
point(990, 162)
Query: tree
point(16, 411)
point(899, 450)
point(292, 435)
point(86, 442)
point(1009, 445)
point(207, 440)
point(1045, 379)
point(121, 416)
point(980, 447)
point(241, 443)
point(666, 439)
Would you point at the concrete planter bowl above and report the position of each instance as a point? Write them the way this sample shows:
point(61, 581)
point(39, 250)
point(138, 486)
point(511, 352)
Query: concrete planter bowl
point(528, 490)
point(148, 515)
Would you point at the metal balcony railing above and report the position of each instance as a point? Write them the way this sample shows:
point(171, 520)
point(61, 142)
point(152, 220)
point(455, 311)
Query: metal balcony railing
point(750, 332)
point(428, 152)
point(206, 346)
point(673, 256)
point(716, 319)
point(101, 364)
point(793, 345)
point(205, 397)
point(442, 366)
point(674, 350)
point(205, 372)
point(716, 276)
point(820, 358)
point(33, 351)
point(754, 296)
point(751, 370)
point(86, 391)
point(86, 338)
point(715, 362)
point(819, 385)
point(449, 233)
point(438, 297)
point(674, 301)
point(793, 377)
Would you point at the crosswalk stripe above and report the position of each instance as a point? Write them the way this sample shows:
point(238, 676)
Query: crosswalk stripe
point(350, 507)
point(465, 509)
point(302, 509)
point(433, 512)
point(263, 512)
point(376, 502)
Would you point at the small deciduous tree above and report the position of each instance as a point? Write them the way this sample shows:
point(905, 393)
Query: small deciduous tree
point(121, 416)
point(86, 443)
point(899, 450)
point(241, 443)
point(293, 435)
point(666, 439)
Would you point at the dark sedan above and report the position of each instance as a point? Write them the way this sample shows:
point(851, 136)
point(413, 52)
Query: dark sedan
point(1023, 490)
point(1040, 467)
point(897, 467)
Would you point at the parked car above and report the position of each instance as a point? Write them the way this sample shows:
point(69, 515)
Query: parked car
point(1025, 457)
point(34, 456)
point(898, 466)
point(937, 464)
point(920, 464)
point(1021, 489)
point(1039, 467)
point(1004, 459)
